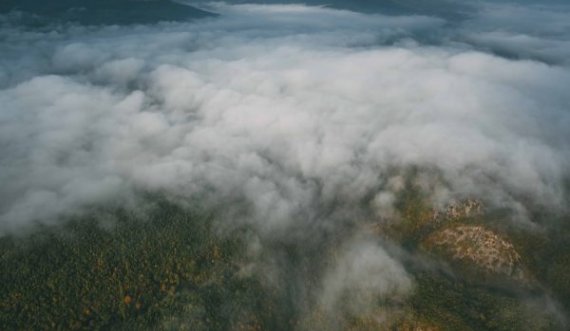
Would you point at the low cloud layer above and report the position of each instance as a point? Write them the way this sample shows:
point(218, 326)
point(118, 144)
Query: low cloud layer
point(287, 106)
point(363, 273)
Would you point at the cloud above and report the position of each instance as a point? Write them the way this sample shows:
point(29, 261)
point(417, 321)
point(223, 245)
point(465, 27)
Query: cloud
point(288, 107)
point(363, 275)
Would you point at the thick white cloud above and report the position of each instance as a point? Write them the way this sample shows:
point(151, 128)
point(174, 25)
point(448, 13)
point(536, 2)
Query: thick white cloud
point(288, 108)
point(361, 275)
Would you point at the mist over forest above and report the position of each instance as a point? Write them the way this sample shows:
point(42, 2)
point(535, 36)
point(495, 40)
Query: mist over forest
point(280, 165)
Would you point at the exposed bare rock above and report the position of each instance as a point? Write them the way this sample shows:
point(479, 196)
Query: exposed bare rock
point(417, 326)
point(458, 210)
point(391, 320)
point(417, 218)
point(476, 245)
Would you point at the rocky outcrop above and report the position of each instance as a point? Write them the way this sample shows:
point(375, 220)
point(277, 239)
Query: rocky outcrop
point(416, 326)
point(478, 246)
point(458, 210)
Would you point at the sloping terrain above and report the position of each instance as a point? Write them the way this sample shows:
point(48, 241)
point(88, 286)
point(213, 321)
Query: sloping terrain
point(167, 269)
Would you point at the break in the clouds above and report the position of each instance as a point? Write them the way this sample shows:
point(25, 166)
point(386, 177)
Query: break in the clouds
point(290, 109)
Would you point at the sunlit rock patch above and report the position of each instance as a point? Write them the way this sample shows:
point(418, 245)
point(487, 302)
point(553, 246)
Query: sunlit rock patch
point(476, 245)
point(417, 326)
point(458, 210)
point(394, 321)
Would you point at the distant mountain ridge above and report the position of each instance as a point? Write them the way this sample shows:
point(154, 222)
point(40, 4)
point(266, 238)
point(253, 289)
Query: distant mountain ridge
point(102, 12)
point(443, 8)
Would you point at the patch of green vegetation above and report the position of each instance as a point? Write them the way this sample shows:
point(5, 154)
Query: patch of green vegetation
point(167, 269)
point(415, 214)
point(458, 305)
point(547, 254)
point(419, 219)
point(137, 274)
